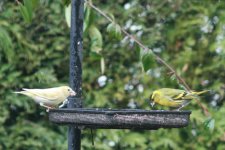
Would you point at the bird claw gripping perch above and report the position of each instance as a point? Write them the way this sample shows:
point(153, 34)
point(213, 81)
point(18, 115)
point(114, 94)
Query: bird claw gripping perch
point(48, 107)
point(63, 104)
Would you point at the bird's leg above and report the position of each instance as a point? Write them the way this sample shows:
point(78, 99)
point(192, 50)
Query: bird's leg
point(178, 109)
point(183, 105)
point(64, 103)
point(48, 107)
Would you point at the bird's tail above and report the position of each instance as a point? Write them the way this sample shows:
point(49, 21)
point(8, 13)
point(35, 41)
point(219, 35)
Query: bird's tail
point(200, 93)
point(17, 92)
point(21, 92)
point(194, 95)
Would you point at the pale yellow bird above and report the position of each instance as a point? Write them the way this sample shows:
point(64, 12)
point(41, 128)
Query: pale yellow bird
point(173, 97)
point(49, 98)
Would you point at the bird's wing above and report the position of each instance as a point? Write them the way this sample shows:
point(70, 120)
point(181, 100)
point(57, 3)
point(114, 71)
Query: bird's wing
point(168, 98)
point(44, 93)
point(180, 96)
point(175, 101)
point(175, 94)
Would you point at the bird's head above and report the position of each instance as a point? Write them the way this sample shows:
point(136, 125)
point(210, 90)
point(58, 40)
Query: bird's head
point(68, 91)
point(152, 98)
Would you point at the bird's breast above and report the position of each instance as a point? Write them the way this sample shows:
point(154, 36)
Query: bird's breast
point(45, 101)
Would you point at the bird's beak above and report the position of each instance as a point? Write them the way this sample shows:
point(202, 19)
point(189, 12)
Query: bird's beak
point(152, 104)
point(72, 93)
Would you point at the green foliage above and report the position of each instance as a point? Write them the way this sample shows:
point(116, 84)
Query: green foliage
point(66, 2)
point(88, 17)
point(209, 123)
point(31, 55)
point(6, 44)
point(147, 59)
point(96, 39)
point(68, 15)
point(189, 35)
point(114, 30)
point(27, 9)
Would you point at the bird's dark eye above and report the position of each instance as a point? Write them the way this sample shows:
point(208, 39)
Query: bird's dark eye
point(68, 90)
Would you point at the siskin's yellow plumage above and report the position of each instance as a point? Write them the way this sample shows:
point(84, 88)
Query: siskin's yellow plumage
point(50, 97)
point(173, 97)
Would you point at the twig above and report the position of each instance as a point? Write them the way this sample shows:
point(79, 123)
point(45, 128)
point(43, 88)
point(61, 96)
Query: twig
point(160, 60)
point(187, 88)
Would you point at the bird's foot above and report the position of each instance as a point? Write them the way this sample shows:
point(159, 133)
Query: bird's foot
point(48, 107)
point(178, 109)
point(183, 105)
point(63, 104)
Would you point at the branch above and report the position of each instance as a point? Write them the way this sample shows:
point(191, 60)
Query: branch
point(187, 88)
point(160, 60)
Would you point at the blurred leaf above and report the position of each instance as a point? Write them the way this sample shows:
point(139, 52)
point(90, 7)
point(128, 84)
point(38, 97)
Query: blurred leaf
point(68, 15)
point(27, 9)
point(95, 56)
point(87, 19)
point(114, 31)
point(147, 59)
point(96, 39)
point(6, 45)
point(111, 16)
point(66, 2)
point(102, 65)
point(173, 77)
point(209, 124)
point(25, 13)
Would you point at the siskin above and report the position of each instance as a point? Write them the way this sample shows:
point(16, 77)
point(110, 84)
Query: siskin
point(173, 97)
point(49, 98)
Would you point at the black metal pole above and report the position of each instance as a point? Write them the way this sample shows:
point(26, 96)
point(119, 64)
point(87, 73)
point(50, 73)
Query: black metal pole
point(76, 46)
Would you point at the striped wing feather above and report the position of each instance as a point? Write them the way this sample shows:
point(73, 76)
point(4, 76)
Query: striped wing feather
point(174, 94)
